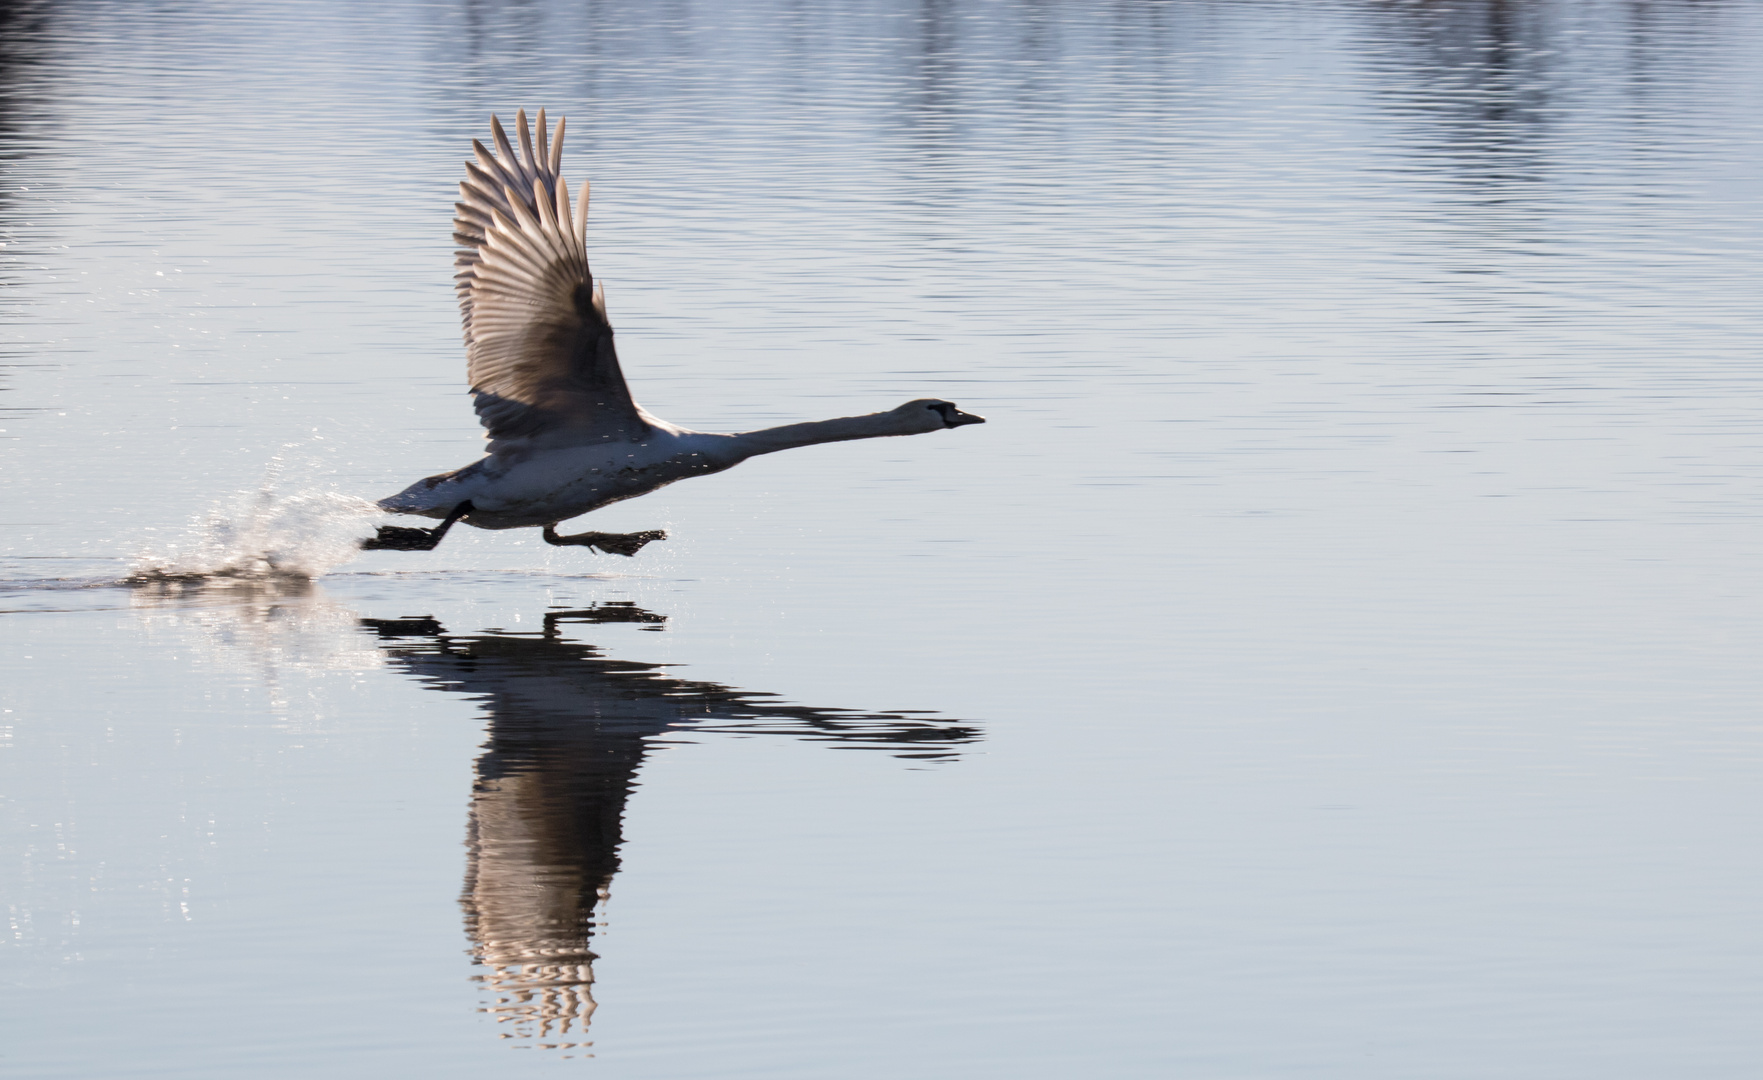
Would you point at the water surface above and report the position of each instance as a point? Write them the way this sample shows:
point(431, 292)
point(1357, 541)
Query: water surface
point(1335, 657)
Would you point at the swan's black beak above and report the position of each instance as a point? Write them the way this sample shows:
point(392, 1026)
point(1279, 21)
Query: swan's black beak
point(953, 417)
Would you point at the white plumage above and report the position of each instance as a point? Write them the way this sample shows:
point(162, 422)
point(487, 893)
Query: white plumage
point(565, 435)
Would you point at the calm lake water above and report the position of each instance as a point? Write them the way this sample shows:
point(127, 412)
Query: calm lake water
point(1337, 657)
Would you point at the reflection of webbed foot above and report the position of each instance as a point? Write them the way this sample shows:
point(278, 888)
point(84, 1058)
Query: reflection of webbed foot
point(611, 543)
point(401, 538)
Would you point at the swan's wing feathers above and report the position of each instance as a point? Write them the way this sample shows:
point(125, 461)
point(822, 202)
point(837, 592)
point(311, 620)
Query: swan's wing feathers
point(539, 351)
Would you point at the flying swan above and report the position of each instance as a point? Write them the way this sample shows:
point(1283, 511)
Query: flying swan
point(565, 436)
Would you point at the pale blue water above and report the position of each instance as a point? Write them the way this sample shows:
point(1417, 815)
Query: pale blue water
point(1336, 657)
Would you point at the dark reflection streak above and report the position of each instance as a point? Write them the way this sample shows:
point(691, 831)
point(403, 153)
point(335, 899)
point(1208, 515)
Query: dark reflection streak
point(932, 106)
point(1654, 32)
point(1473, 84)
point(568, 730)
point(1038, 94)
point(491, 35)
point(796, 75)
point(25, 31)
point(506, 52)
point(1488, 94)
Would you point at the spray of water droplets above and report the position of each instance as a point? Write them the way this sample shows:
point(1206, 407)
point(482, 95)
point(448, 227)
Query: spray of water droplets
point(263, 535)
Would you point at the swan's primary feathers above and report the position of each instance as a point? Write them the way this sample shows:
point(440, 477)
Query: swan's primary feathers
point(538, 348)
point(565, 435)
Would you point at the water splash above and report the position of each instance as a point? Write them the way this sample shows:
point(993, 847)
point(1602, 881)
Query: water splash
point(263, 536)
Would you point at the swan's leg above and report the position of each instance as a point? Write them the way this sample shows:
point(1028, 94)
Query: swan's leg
point(400, 538)
point(611, 543)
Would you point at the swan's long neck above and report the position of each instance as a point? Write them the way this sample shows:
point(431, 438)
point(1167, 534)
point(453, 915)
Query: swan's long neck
point(790, 436)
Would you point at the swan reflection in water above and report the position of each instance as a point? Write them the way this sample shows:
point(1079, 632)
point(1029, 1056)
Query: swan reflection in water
point(568, 729)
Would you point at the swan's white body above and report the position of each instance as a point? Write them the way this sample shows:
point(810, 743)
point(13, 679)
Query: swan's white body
point(565, 436)
point(512, 491)
point(525, 486)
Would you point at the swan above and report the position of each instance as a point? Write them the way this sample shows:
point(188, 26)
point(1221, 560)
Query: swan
point(565, 436)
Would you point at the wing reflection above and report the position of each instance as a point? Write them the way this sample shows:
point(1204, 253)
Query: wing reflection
point(568, 729)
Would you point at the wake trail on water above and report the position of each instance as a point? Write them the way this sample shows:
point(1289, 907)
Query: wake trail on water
point(262, 536)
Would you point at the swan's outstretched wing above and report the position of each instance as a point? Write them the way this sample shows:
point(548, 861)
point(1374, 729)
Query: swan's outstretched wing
point(538, 347)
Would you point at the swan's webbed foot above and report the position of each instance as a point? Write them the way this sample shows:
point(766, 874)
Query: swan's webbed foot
point(611, 543)
point(399, 538)
point(402, 538)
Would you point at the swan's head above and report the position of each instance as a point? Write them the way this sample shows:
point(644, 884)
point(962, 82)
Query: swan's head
point(933, 414)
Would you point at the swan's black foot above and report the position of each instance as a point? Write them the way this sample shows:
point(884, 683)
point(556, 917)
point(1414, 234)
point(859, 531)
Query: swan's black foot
point(611, 543)
point(401, 538)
